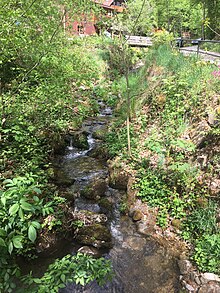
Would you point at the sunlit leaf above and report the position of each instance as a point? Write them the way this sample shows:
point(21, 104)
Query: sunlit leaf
point(32, 233)
point(13, 209)
point(17, 241)
point(10, 247)
point(26, 206)
point(2, 242)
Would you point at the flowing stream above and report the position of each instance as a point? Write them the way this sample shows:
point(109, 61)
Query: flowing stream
point(140, 264)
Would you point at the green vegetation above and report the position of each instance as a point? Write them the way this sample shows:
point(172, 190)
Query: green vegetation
point(169, 99)
point(50, 83)
point(80, 269)
point(47, 88)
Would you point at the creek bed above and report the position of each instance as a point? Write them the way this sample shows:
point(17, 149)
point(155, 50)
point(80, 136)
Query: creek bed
point(139, 263)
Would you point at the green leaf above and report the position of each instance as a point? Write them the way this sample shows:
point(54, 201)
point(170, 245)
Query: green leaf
point(2, 232)
point(37, 280)
point(36, 224)
point(37, 190)
point(21, 214)
point(10, 247)
point(82, 281)
point(26, 206)
point(2, 242)
point(7, 181)
point(63, 278)
point(32, 233)
point(17, 241)
point(3, 200)
point(13, 209)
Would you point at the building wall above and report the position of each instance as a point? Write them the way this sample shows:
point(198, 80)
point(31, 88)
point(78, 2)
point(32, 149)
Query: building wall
point(86, 28)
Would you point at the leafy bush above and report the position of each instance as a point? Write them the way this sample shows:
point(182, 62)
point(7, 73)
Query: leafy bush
point(20, 206)
point(157, 188)
point(116, 141)
point(202, 220)
point(80, 269)
point(162, 37)
point(207, 251)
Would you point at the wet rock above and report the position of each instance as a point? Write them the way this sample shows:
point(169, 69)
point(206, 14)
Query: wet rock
point(61, 179)
point(106, 204)
point(194, 276)
point(79, 139)
point(89, 250)
point(119, 180)
point(89, 218)
point(85, 169)
point(137, 215)
point(99, 151)
point(185, 266)
point(95, 189)
point(135, 243)
point(85, 204)
point(95, 235)
point(206, 277)
point(209, 288)
point(100, 133)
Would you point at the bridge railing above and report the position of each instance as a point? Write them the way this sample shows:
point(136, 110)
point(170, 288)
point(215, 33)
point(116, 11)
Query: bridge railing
point(197, 42)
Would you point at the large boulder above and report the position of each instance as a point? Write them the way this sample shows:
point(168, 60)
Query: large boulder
point(95, 189)
point(96, 235)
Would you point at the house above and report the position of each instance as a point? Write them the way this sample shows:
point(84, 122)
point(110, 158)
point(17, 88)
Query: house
point(87, 25)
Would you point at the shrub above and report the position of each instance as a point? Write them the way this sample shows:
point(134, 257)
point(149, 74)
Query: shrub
point(80, 269)
point(207, 251)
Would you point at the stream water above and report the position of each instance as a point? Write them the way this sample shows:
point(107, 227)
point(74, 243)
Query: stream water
point(140, 264)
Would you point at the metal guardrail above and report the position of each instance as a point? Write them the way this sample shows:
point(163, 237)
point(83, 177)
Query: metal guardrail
point(198, 42)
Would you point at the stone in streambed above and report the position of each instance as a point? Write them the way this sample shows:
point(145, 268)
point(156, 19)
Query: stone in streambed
point(79, 139)
point(95, 235)
point(185, 266)
point(100, 133)
point(89, 250)
point(210, 288)
point(95, 189)
point(118, 180)
point(61, 179)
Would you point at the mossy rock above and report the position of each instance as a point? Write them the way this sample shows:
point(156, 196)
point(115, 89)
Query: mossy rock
point(106, 204)
point(95, 189)
point(100, 133)
point(61, 179)
point(80, 140)
point(100, 152)
point(95, 235)
point(119, 180)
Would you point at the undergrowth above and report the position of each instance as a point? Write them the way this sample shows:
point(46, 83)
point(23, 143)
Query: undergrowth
point(170, 96)
point(36, 114)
